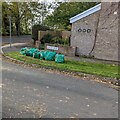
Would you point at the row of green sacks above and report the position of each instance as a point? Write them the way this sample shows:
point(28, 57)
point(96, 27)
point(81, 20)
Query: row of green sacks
point(43, 55)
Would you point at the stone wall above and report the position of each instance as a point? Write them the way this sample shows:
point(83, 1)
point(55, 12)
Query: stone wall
point(107, 37)
point(37, 44)
point(83, 34)
point(66, 50)
point(42, 33)
point(63, 34)
point(66, 34)
point(102, 41)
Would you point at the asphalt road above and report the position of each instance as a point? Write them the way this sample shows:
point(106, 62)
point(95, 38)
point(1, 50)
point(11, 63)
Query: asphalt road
point(16, 39)
point(29, 92)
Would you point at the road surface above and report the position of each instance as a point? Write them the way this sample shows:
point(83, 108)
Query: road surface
point(16, 39)
point(32, 93)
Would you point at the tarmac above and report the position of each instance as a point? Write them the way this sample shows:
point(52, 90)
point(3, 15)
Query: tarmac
point(14, 47)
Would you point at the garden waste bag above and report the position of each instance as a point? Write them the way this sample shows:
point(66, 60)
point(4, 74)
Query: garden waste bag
point(50, 56)
point(59, 58)
point(36, 54)
point(23, 51)
point(31, 51)
point(42, 55)
point(45, 53)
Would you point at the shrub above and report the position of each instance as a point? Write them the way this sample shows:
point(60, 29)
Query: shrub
point(5, 32)
point(35, 30)
point(57, 40)
point(46, 38)
point(66, 41)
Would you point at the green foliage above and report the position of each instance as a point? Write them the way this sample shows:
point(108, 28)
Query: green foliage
point(5, 31)
point(57, 40)
point(61, 15)
point(46, 38)
point(66, 41)
point(26, 14)
point(35, 30)
point(23, 14)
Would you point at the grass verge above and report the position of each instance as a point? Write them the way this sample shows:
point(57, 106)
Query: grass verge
point(100, 69)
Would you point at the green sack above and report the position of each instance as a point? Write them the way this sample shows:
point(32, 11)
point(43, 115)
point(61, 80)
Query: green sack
point(59, 58)
point(23, 51)
point(41, 55)
point(50, 56)
point(36, 55)
point(28, 53)
point(45, 53)
point(31, 51)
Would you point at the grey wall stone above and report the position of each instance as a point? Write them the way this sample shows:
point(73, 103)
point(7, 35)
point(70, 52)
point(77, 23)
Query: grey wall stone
point(107, 37)
point(106, 45)
point(82, 40)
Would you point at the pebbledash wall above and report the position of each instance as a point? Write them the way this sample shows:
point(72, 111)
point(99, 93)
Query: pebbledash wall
point(95, 31)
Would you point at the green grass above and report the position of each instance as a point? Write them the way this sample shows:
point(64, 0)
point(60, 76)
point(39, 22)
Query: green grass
point(100, 69)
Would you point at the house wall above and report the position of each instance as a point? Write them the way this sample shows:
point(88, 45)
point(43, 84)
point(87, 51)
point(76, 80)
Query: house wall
point(84, 41)
point(107, 37)
point(106, 43)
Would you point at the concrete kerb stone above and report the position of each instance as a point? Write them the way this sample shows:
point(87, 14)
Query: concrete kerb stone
point(112, 81)
point(13, 45)
point(6, 46)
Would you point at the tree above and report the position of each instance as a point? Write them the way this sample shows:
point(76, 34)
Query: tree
point(23, 14)
point(35, 30)
point(5, 20)
point(61, 15)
